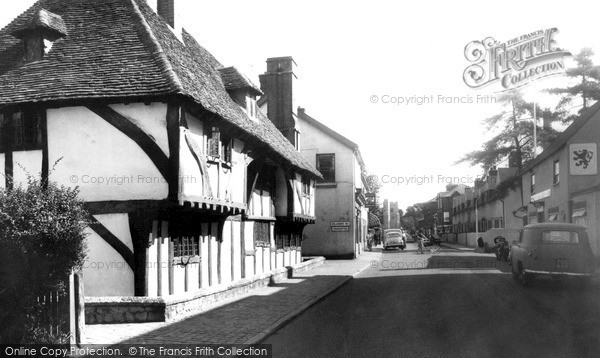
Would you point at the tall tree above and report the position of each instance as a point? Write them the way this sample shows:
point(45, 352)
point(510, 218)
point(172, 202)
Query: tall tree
point(511, 137)
point(588, 86)
point(514, 134)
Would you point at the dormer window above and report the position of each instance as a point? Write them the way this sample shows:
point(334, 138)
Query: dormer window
point(39, 34)
point(241, 90)
point(251, 106)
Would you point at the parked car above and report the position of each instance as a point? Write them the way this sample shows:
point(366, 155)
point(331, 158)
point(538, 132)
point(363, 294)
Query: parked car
point(552, 249)
point(393, 238)
point(409, 237)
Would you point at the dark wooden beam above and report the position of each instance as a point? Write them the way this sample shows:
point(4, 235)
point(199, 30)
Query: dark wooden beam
point(140, 228)
point(135, 133)
point(113, 241)
point(45, 158)
point(174, 117)
point(126, 206)
point(8, 169)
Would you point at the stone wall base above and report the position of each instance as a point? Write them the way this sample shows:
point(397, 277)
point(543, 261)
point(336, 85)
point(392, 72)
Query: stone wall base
point(108, 310)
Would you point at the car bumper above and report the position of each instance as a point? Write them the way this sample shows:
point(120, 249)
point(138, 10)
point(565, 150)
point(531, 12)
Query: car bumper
point(395, 244)
point(559, 273)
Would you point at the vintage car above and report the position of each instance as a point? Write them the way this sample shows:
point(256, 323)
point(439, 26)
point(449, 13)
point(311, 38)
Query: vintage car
point(552, 249)
point(393, 238)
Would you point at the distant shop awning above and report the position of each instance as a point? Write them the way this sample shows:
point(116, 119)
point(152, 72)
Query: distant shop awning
point(579, 213)
point(374, 221)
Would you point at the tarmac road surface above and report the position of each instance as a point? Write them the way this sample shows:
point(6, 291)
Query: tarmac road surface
point(448, 303)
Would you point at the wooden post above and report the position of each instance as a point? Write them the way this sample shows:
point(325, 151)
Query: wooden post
point(242, 249)
point(71, 314)
point(79, 307)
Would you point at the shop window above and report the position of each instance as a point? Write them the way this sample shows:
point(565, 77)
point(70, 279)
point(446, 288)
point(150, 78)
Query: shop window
point(540, 213)
point(579, 215)
point(185, 246)
point(326, 165)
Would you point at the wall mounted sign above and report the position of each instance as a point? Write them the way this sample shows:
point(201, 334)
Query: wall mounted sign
point(583, 159)
point(340, 228)
point(340, 223)
point(541, 195)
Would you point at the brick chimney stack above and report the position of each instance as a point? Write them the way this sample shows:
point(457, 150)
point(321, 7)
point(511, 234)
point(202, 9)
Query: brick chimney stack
point(169, 10)
point(278, 85)
point(166, 9)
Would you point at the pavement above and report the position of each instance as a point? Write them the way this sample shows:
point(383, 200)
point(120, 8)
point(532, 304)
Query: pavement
point(247, 319)
point(457, 246)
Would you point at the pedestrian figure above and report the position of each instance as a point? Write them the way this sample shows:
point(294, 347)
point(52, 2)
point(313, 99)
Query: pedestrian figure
point(420, 244)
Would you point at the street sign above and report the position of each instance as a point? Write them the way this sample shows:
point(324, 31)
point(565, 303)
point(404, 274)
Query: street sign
point(340, 223)
point(340, 228)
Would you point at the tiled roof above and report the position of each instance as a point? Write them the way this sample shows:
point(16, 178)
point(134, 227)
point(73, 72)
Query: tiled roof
point(234, 79)
point(564, 137)
point(121, 49)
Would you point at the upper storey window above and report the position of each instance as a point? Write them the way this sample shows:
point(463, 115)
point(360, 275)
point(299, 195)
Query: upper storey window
point(20, 130)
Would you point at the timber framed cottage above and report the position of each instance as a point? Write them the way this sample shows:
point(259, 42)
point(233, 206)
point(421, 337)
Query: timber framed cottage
point(189, 186)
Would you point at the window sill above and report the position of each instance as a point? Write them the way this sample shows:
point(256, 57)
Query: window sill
point(186, 260)
point(285, 249)
point(216, 160)
point(259, 218)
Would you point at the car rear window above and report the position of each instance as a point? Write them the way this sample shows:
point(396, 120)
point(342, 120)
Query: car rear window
point(560, 237)
point(393, 234)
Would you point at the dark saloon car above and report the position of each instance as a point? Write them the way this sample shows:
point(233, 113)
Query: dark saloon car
point(552, 249)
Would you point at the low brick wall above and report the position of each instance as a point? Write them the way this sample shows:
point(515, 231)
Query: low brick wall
point(99, 310)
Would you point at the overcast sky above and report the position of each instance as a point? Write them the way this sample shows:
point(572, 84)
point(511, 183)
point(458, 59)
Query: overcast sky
point(349, 51)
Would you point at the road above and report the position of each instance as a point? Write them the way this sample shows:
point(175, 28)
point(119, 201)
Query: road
point(446, 304)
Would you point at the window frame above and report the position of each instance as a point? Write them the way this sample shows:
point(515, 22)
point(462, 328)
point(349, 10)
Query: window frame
point(326, 177)
point(186, 246)
point(259, 230)
point(556, 172)
point(29, 129)
point(219, 148)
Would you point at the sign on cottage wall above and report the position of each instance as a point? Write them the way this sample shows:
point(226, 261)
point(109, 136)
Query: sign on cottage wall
point(340, 228)
point(340, 223)
point(582, 159)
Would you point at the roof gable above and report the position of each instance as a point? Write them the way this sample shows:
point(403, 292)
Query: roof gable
point(121, 49)
point(333, 134)
point(564, 137)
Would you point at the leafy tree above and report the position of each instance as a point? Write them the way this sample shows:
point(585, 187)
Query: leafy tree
point(588, 86)
point(514, 140)
point(42, 238)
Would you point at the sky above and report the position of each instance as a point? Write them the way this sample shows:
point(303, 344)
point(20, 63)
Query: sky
point(353, 56)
